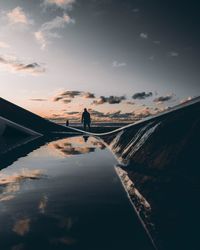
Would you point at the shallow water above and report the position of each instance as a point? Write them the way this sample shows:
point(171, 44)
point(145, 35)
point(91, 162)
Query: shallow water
point(67, 195)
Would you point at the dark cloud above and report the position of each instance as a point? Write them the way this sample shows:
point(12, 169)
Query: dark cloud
point(115, 99)
point(142, 95)
point(121, 116)
point(130, 103)
point(117, 115)
point(88, 95)
point(110, 100)
point(57, 98)
point(38, 99)
point(161, 99)
point(13, 65)
point(71, 94)
point(96, 113)
point(100, 101)
point(72, 113)
point(66, 100)
point(66, 96)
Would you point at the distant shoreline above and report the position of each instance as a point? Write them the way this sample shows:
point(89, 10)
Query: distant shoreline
point(98, 127)
point(98, 124)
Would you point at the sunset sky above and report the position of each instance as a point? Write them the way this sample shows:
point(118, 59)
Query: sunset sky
point(118, 58)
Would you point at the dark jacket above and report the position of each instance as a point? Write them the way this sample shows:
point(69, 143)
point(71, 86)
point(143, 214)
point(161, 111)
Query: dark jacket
point(86, 117)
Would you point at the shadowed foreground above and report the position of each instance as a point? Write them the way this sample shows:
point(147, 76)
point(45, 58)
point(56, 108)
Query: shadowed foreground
point(159, 164)
point(159, 159)
point(67, 195)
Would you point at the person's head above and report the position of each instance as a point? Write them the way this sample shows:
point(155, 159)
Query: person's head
point(85, 109)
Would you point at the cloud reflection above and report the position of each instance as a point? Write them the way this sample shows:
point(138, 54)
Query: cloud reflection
point(43, 204)
point(78, 145)
point(21, 227)
point(11, 182)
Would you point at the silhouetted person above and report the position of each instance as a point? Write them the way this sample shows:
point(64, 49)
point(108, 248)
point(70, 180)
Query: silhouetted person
point(67, 123)
point(86, 119)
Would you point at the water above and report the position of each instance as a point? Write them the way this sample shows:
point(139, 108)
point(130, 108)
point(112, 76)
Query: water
point(67, 195)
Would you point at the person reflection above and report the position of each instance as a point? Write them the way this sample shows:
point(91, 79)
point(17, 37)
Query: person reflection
point(85, 137)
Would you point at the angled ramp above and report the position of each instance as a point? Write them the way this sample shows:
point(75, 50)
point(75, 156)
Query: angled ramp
point(23, 118)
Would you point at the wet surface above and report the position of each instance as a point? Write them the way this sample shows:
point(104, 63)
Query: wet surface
point(67, 195)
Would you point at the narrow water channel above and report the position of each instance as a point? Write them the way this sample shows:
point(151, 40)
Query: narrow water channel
point(67, 195)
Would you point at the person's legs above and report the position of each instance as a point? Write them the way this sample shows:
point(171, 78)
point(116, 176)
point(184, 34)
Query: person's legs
point(84, 126)
point(89, 126)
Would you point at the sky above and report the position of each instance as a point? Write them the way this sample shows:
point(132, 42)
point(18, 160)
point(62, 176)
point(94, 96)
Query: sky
point(122, 60)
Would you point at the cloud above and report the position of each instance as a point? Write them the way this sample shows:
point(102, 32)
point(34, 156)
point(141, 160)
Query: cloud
point(142, 95)
point(117, 64)
point(100, 101)
point(4, 45)
point(88, 95)
point(72, 113)
point(46, 30)
point(188, 99)
point(66, 101)
point(121, 116)
point(66, 96)
point(11, 64)
point(63, 4)
point(143, 113)
point(57, 98)
point(41, 39)
point(70, 94)
point(110, 116)
point(144, 35)
point(130, 103)
point(173, 54)
point(38, 100)
point(98, 116)
point(18, 16)
point(162, 99)
point(110, 100)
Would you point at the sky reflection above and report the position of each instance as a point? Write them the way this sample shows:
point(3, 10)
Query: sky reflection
point(80, 204)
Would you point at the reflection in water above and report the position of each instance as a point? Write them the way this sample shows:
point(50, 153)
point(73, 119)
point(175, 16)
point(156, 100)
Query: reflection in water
point(21, 227)
point(9, 190)
point(17, 177)
point(66, 223)
point(63, 241)
point(85, 137)
point(81, 203)
point(43, 204)
point(78, 145)
point(6, 197)
point(18, 247)
point(10, 183)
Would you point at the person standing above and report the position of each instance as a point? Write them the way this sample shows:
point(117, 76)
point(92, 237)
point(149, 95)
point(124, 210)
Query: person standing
point(86, 120)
